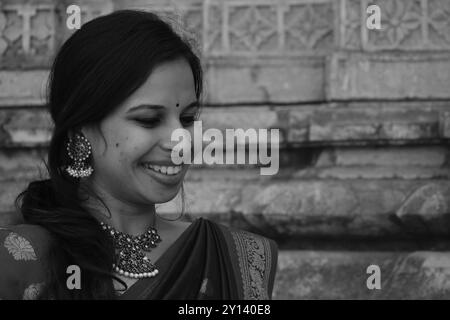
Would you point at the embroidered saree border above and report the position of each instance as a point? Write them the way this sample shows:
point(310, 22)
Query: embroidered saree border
point(255, 261)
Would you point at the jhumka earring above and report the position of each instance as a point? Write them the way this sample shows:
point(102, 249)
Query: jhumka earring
point(79, 150)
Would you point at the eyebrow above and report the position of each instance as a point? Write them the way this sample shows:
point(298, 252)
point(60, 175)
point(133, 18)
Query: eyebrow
point(156, 106)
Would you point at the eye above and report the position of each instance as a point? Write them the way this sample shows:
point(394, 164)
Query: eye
point(149, 122)
point(188, 120)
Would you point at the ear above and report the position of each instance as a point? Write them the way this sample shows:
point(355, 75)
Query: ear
point(91, 132)
point(71, 133)
point(87, 131)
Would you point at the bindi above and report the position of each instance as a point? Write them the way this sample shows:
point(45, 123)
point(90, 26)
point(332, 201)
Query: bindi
point(177, 105)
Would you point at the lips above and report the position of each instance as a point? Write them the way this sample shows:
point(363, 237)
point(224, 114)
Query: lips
point(167, 170)
point(166, 175)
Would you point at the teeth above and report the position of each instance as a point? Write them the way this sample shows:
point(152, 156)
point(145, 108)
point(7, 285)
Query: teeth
point(168, 170)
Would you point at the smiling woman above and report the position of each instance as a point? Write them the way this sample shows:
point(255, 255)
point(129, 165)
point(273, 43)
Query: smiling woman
point(119, 87)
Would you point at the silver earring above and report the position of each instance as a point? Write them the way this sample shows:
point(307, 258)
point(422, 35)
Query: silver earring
point(79, 149)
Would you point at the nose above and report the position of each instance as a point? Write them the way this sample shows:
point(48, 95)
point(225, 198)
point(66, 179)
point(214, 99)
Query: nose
point(168, 145)
point(166, 142)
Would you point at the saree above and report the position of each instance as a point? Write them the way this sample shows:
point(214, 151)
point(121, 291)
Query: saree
point(212, 262)
point(208, 261)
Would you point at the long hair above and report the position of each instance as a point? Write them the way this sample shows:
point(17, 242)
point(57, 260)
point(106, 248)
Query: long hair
point(95, 70)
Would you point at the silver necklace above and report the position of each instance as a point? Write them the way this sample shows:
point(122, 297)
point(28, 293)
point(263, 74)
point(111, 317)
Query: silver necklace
point(130, 259)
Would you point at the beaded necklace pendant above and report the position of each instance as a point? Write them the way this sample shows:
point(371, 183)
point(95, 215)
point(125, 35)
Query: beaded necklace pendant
point(130, 259)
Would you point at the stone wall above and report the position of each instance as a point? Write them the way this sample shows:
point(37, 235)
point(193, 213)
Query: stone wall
point(364, 117)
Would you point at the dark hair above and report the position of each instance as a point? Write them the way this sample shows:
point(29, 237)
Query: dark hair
point(95, 70)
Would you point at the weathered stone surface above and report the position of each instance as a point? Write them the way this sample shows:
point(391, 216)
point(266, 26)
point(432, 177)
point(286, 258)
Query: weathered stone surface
point(420, 23)
point(293, 208)
point(445, 124)
point(405, 25)
point(22, 88)
point(421, 156)
point(27, 33)
point(388, 76)
point(21, 164)
point(30, 31)
point(343, 275)
point(277, 81)
point(240, 117)
point(376, 172)
point(250, 119)
point(364, 122)
point(253, 29)
point(373, 124)
point(24, 128)
point(425, 202)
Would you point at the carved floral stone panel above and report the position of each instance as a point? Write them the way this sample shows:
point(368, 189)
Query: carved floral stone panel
point(350, 24)
point(401, 26)
point(31, 31)
point(407, 25)
point(26, 33)
point(438, 23)
point(269, 28)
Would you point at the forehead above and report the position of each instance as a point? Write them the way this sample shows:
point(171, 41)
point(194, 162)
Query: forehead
point(174, 74)
point(168, 84)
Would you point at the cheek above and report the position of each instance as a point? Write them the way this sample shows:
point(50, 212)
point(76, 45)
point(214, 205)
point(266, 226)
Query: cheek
point(135, 146)
point(126, 146)
point(111, 150)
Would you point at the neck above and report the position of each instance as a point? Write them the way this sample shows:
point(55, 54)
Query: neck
point(130, 219)
point(132, 224)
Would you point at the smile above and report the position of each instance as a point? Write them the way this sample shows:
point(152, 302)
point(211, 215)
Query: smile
point(166, 170)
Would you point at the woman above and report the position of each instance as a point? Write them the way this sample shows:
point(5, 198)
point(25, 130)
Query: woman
point(118, 88)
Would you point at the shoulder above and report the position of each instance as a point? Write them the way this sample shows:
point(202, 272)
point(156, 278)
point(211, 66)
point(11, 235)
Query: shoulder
point(23, 255)
point(34, 239)
point(255, 260)
point(27, 229)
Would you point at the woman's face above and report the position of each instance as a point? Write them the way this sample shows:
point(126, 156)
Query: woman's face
point(134, 166)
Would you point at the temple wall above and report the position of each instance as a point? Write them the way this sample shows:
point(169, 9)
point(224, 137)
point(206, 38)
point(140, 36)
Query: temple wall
point(364, 119)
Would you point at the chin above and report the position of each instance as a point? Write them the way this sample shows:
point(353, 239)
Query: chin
point(163, 195)
point(166, 198)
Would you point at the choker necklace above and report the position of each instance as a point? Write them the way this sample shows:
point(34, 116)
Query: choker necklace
point(130, 259)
